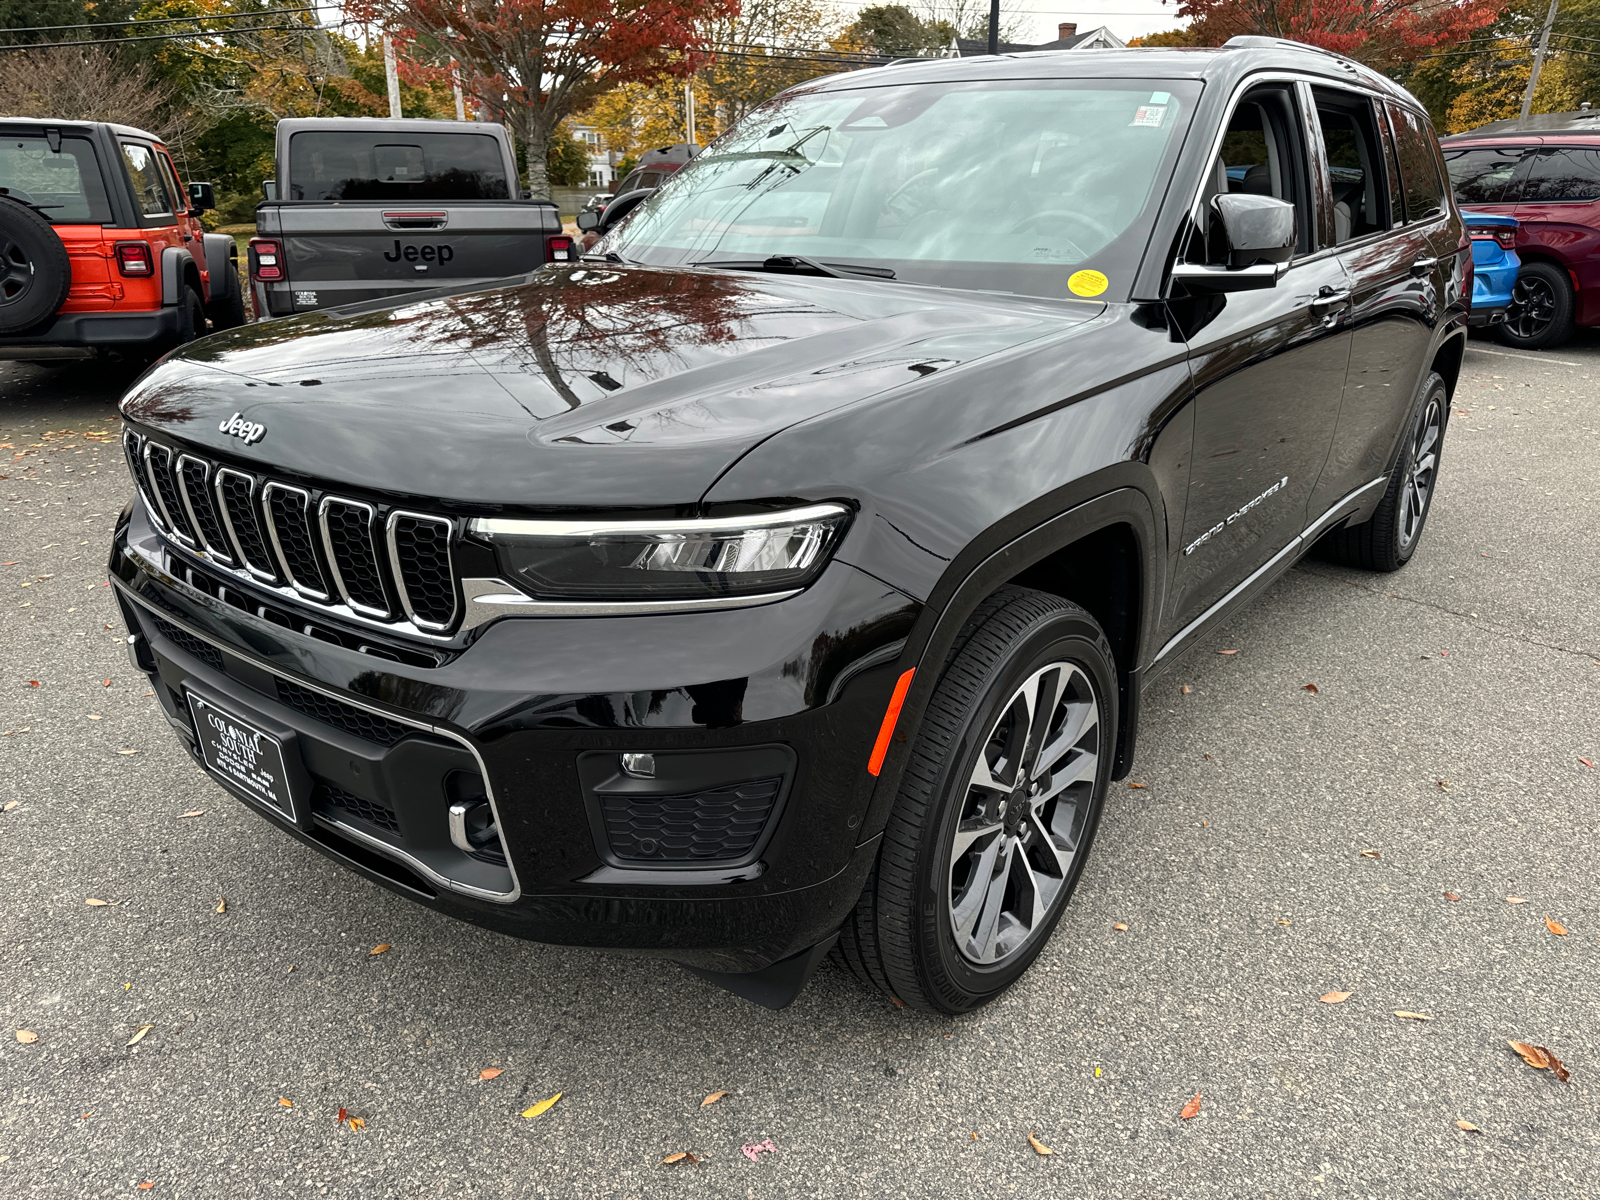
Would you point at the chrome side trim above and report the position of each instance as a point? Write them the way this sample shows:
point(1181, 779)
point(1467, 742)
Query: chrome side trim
point(399, 574)
point(333, 558)
point(516, 527)
point(378, 844)
point(227, 521)
point(222, 555)
point(277, 546)
point(489, 599)
point(1300, 540)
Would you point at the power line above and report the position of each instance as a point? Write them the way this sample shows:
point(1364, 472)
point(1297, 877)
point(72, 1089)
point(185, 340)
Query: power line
point(246, 16)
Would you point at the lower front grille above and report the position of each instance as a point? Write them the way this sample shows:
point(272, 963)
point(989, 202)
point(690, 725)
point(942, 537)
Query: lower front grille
point(336, 802)
point(720, 823)
point(188, 643)
point(353, 720)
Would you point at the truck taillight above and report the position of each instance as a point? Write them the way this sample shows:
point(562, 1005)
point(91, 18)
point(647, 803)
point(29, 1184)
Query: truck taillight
point(133, 259)
point(266, 260)
point(560, 248)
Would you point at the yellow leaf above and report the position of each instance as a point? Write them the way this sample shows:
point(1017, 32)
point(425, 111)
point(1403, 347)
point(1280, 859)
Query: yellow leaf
point(1038, 1146)
point(1555, 927)
point(542, 1107)
point(285, 1103)
point(1411, 1016)
point(1336, 997)
point(222, 905)
point(93, 903)
point(1468, 1126)
point(712, 1099)
point(1120, 927)
point(357, 1123)
point(27, 1037)
point(491, 1073)
point(138, 1035)
point(379, 948)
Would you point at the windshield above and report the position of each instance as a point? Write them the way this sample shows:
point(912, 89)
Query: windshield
point(65, 186)
point(1046, 187)
point(396, 166)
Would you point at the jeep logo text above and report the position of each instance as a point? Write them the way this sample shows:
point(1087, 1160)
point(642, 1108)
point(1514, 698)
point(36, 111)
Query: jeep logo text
point(240, 428)
point(438, 254)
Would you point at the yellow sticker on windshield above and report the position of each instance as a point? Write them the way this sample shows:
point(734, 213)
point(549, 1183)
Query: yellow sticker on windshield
point(1087, 283)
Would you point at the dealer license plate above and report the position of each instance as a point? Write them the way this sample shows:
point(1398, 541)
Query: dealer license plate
point(243, 757)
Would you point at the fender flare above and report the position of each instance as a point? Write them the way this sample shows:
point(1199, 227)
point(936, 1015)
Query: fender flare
point(222, 257)
point(174, 263)
point(966, 584)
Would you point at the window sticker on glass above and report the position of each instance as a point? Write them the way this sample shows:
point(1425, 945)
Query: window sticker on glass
point(1160, 97)
point(1149, 115)
point(1087, 283)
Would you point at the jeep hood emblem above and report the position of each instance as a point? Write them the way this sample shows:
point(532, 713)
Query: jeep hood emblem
point(240, 428)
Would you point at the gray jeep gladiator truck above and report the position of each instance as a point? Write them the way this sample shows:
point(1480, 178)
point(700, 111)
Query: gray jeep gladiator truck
point(365, 208)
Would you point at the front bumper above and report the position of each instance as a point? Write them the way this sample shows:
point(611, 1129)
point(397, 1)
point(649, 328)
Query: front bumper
point(523, 715)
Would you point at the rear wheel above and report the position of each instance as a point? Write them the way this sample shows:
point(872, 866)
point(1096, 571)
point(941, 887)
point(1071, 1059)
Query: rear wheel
point(227, 310)
point(1540, 312)
point(996, 810)
point(192, 318)
point(35, 272)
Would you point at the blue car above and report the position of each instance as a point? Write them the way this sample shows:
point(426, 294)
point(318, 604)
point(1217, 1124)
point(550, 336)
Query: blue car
point(1494, 265)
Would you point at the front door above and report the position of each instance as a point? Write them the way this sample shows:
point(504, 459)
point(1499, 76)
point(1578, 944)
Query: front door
point(1268, 369)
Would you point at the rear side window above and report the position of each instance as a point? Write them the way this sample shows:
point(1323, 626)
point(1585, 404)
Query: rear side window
point(149, 189)
point(1419, 165)
point(169, 173)
point(1355, 167)
point(1482, 175)
point(66, 188)
point(396, 166)
point(1562, 173)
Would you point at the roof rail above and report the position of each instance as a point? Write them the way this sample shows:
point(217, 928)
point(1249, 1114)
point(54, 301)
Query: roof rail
point(1251, 41)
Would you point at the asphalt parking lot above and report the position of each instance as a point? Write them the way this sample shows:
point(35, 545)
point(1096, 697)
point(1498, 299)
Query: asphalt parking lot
point(1285, 844)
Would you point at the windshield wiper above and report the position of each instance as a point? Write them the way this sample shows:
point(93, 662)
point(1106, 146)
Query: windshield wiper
point(795, 264)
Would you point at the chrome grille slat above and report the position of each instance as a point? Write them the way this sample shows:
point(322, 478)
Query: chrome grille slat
point(236, 500)
point(288, 512)
point(158, 466)
point(347, 532)
point(424, 574)
point(133, 448)
point(194, 474)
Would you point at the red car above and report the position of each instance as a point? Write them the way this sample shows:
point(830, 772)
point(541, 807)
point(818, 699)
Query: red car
point(1545, 172)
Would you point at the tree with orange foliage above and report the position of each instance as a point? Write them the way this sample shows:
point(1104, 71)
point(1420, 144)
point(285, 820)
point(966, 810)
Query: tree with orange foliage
point(1381, 33)
point(530, 63)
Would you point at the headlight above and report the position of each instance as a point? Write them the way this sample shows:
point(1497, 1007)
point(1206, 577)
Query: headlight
point(666, 560)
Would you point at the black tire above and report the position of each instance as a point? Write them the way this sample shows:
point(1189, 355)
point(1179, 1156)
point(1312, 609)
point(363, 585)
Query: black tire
point(35, 272)
point(1387, 540)
point(902, 936)
point(192, 323)
point(1540, 312)
point(227, 310)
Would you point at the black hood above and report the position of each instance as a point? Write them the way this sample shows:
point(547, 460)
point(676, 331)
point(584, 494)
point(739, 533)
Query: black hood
point(570, 388)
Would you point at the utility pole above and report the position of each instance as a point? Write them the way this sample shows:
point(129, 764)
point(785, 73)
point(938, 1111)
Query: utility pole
point(994, 26)
point(1538, 61)
point(455, 82)
point(688, 111)
point(394, 80)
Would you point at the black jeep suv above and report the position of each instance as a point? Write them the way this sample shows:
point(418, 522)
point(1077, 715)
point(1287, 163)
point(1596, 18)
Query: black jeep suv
point(786, 574)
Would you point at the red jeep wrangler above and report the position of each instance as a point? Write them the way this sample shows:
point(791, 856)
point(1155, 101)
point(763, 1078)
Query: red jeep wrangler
point(101, 247)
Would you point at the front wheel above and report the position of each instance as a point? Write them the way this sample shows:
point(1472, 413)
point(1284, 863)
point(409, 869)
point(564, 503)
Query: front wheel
point(1540, 312)
point(996, 809)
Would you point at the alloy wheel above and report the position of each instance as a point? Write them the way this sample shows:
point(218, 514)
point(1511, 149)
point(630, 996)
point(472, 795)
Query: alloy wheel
point(16, 271)
point(1023, 817)
point(1418, 485)
point(1532, 307)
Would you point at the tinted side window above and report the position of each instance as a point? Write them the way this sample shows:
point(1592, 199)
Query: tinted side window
point(1419, 165)
point(380, 166)
point(149, 190)
point(1262, 154)
point(1397, 203)
point(169, 174)
point(1355, 169)
point(67, 186)
point(1482, 175)
point(1562, 173)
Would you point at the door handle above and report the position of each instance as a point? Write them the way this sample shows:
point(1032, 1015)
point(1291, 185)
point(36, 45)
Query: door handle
point(1423, 264)
point(1329, 301)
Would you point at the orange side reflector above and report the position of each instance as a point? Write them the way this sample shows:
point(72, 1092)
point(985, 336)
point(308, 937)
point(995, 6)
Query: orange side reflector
point(890, 716)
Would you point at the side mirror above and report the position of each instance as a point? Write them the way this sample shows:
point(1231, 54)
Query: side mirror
point(269, 190)
point(588, 221)
point(1258, 235)
point(202, 197)
point(612, 214)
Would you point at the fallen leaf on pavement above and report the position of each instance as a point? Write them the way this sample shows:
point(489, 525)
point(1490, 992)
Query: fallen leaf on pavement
point(1285, 922)
point(1411, 1016)
point(285, 1103)
point(1370, 854)
point(27, 1037)
point(754, 1150)
point(1444, 785)
point(1120, 926)
point(1586, 762)
point(712, 1099)
point(356, 1123)
point(33, 683)
point(1335, 997)
point(127, 752)
point(222, 905)
point(1468, 1126)
point(1185, 690)
point(147, 1185)
point(93, 903)
point(138, 1034)
point(680, 1156)
point(1515, 900)
point(1138, 787)
point(1038, 1147)
point(379, 949)
point(1540, 1058)
point(10, 804)
point(1451, 896)
point(898, 1003)
point(87, 1115)
point(541, 1107)
point(1191, 1109)
point(1227, 652)
point(105, 683)
point(491, 1073)
point(1312, 688)
point(1555, 927)
point(199, 812)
